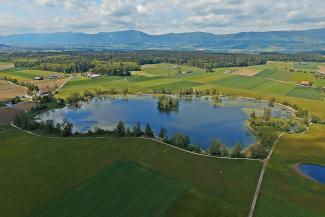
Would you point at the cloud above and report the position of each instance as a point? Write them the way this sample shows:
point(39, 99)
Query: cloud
point(159, 16)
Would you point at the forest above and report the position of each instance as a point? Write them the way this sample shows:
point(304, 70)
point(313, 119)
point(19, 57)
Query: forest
point(120, 63)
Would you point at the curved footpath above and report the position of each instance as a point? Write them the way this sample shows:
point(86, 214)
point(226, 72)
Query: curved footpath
point(152, 139)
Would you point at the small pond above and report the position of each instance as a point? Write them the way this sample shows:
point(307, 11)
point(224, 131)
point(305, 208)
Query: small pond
point(197, 117)
point(313, 171)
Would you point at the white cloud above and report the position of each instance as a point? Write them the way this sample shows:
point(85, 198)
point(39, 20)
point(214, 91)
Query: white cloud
point(159, 16)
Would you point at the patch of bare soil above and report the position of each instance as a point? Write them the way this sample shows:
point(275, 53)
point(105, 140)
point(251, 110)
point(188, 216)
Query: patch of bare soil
point(246, 72)
point(50, 85)
point(9, 91)
point(8, 114)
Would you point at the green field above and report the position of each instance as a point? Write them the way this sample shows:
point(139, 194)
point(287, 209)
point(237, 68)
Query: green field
point(168, 69)
point(25, 74)
point(40, 175)
point(285, 193)
point(143, 193)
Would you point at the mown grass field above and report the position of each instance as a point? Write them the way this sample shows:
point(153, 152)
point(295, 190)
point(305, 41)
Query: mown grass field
point(40, 175)
point(143, 193)
point(168, 69)
point(284, 192)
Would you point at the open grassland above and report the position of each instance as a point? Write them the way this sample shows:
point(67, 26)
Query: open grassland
point(285, 193)
point(40, 175)
point(9, 91)
point(271, 86)
point(143, 193)
point(168, 69)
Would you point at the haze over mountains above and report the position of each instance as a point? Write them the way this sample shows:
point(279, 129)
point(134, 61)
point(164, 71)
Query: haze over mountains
point(286, 41)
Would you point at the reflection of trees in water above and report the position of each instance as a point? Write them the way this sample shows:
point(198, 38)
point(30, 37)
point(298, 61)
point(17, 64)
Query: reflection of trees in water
point(168, 110)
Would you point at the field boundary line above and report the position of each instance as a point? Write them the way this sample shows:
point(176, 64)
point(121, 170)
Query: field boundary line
point(143, 138)
point(62, 85)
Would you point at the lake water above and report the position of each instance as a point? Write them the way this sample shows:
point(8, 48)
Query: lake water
point(314, 171)
point(198, 117)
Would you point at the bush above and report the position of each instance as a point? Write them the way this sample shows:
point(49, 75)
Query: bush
point(236, 152)
point(217, 149)
point(257, 151)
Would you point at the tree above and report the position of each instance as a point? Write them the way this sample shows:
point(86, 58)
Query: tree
point(148, 131)
point(271, 102)
point(253, 115)
point(267, 115)
point(49, 126)
point(120, 129)
point(236, 151)
point(180, 141)
point(215, 148)
point(162, 133)
point(186, 140)
point(258, 151)
point(66, 128)
point(224, 151)
point(194, 148)
point(137, 131)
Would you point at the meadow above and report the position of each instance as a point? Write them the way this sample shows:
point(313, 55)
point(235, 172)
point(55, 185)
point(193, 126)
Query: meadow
point(45, 177)
point(286, 193)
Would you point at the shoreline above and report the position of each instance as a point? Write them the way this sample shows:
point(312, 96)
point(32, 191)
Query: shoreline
point(302, 174)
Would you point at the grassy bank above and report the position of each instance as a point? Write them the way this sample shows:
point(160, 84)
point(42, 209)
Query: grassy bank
point(39, 172)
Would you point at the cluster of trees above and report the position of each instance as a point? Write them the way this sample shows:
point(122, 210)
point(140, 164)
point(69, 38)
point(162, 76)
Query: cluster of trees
point(167, 103)
point(63, 129)
point(255, 151)
point(282, 124)
point(115, 68)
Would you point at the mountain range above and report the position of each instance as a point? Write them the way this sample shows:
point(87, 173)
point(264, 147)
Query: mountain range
point(287, 41)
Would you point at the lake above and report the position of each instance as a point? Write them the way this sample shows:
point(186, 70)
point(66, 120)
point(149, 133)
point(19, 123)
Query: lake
point(314, 171)
point(198, 117)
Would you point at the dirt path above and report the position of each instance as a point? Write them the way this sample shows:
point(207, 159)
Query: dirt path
point(260, 180)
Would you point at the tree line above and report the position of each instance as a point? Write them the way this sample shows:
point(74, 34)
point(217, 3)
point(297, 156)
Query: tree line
point(120, 62)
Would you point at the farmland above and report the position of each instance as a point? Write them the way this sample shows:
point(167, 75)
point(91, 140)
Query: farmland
point(108, 173)
point(28, 75)
point(57, 171)
point(284, 188)
point(9, 90)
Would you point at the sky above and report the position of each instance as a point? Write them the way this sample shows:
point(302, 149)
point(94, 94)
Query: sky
point(159, 16)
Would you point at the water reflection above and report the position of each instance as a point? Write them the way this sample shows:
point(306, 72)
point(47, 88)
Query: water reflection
point(201, 119)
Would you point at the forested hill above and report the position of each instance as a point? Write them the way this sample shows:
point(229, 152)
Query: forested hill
point(290, 41)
